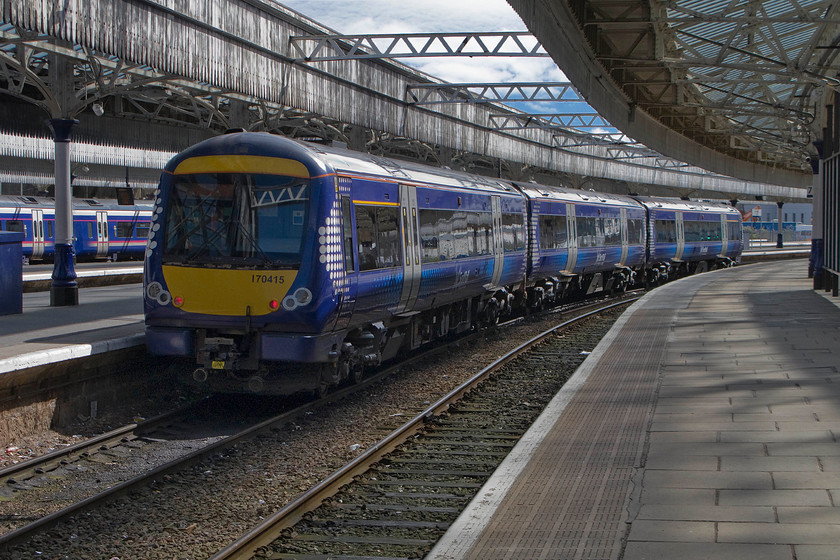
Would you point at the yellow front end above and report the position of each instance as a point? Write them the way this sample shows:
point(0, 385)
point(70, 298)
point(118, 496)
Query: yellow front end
point(236, 293)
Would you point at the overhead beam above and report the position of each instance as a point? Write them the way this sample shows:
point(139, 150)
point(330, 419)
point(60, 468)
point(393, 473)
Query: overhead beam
point(477, 92)
point(319, 48)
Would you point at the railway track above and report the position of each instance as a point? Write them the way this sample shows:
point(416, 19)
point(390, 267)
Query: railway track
point(401, 495)
point(223, 448)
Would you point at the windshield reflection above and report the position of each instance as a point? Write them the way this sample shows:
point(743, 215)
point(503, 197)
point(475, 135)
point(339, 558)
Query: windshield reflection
point(231, 219)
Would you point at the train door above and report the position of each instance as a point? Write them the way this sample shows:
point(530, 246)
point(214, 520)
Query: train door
point(498, 241)
point(724, 235)
point(347, 294)
point(37, 233)
point(571, 235)
point(102, 244)
point(680, 236)
point(411, 248)
point(624, 247)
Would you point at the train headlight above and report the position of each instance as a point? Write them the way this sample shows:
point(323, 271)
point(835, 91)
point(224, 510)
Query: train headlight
point(156, 292)
point(164, 298)
point(301, 297)
point(153, 290)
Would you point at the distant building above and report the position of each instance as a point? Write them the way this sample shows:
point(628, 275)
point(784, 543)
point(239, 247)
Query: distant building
point(761, 220)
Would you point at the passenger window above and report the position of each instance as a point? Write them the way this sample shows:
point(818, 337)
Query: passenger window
point(142, 230)
point(635, 232)
point(448, 234)
point(589, 233)
point(553, 232)
point(124, 229)
point(612, 232)
point(14, 225)
point(377, 232)
point(513, 232)
point(666, 231)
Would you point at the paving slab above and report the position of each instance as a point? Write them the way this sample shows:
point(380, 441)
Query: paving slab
point(693, 512)
point(787, 533)
point(704, 551)
point(797, 497)
point(809, 515)
point(815, 552)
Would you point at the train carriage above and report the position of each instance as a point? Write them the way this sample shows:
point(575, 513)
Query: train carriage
point(583, 242)
point(325, 257)
point(280, 266)
point(686, 237)
point(101, 228)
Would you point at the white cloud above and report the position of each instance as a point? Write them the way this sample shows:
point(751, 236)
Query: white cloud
point(419, 16)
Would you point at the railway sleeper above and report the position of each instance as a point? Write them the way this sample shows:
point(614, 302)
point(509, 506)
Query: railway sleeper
point(394, 507)
point(360, 540)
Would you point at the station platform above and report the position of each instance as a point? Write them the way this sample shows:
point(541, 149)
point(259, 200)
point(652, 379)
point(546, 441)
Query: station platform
point(107, 318)
point(704, 426)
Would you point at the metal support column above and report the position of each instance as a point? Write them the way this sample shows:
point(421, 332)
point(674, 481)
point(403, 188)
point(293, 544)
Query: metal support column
point(64, 289)
point(815, 261)
point(779, 241)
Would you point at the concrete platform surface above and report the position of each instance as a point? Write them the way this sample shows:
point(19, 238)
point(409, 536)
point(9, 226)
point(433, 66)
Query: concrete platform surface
point(107, 318)
point(704, 426)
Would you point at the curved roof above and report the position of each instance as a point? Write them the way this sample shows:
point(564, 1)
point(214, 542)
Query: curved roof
point(735, 87)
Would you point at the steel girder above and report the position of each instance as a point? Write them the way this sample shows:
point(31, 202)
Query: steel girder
point(319, 48)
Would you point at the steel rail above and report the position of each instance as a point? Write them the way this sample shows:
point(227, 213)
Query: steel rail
point(270, 529)
point(55, 459)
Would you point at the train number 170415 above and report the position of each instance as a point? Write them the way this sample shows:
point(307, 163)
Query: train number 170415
point(267, 279)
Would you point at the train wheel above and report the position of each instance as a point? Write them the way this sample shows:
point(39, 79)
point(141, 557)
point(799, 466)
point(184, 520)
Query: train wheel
point(491, 315)
point(321, 390)
point(328, 376)
point(356, 375)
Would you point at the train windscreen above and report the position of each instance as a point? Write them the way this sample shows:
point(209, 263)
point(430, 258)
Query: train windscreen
point(236, 219)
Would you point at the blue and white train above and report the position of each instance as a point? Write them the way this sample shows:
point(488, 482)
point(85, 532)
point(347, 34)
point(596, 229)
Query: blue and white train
point(280, 266)
point(101, 228)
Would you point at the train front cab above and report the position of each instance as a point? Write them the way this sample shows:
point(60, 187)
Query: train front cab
point(244, 262)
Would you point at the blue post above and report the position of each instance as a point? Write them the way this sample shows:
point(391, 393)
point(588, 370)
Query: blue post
point(64, 289)
point(779, 242)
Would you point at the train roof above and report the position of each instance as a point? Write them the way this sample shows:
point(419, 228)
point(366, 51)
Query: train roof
point(686, 205)
point(564, 194)
point(24, 201)
point(320, 159)
point(344, 160)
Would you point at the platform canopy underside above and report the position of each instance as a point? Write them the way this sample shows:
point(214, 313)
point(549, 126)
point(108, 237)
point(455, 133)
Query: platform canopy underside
point(735, 87)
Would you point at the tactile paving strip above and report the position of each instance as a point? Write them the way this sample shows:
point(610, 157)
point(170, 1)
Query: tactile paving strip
point(570, 500)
